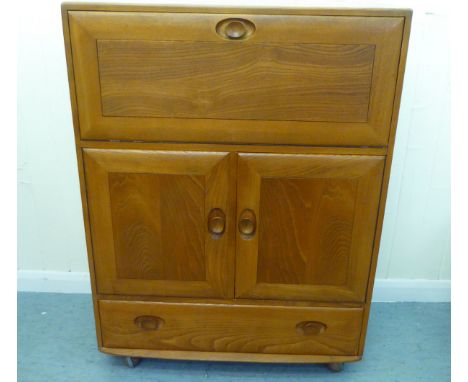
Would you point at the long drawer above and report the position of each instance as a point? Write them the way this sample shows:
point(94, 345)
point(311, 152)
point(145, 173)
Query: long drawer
point(230, 328)
point(247, 78)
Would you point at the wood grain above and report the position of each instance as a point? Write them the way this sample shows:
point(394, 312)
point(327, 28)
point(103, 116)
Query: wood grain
point(200, 327)
point(306, 231)
point(158, 226)
point(149, 213)
point(222, 80)
point(214, 87)
point(231, 301)
point(283, 149)
point(230, 357)
point(316, 226)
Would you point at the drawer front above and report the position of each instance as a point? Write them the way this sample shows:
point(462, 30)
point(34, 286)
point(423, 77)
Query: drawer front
point(287, 79)
point(230, 328)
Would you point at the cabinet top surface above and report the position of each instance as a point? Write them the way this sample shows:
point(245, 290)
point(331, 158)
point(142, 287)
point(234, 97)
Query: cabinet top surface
point(320, 11)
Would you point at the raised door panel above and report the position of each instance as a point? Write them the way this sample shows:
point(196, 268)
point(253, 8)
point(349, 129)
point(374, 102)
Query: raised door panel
point(149, 213)
point(306, 225)
point(175, 76)
point(169, 79)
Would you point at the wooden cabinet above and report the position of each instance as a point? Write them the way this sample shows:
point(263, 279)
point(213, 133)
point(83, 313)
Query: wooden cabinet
point(234, 165)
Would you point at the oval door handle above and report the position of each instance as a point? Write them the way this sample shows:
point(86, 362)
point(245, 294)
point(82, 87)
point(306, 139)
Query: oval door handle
point(247, 222)
point(310, 328)
point(235, 29)
point(216, 221)
point(149, 322)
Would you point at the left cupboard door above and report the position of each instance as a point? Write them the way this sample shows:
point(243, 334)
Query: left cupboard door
point(162, 221)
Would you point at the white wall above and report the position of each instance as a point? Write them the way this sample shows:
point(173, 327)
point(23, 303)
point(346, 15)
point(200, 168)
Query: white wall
point(416, 235)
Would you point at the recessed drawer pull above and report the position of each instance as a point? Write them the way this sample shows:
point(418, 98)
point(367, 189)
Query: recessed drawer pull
point(149, 322)
point(310, 328)
point(235, 29)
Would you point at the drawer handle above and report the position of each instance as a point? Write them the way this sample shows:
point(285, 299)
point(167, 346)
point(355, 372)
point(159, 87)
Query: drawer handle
point(235, 29)
point(216, 221)
point(149, 322)
point(247, 223)
point(310, 328)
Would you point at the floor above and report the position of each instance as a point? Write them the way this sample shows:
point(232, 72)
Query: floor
point(56, 342)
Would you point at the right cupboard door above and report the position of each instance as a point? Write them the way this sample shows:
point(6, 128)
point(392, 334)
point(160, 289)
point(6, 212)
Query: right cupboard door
point(306, 225)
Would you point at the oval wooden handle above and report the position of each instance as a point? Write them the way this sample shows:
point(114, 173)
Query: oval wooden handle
point(310, 328)
point(149, 322)
point(216, 221)
point(235, 29)
point(247, 222)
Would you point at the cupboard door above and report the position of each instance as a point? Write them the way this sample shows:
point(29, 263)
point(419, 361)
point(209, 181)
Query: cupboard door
point(306, 225)
point(162, 221)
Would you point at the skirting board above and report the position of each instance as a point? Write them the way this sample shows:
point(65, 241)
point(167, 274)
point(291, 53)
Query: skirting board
point(385, 290)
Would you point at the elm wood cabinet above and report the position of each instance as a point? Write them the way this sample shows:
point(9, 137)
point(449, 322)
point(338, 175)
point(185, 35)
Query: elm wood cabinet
point(234, 166)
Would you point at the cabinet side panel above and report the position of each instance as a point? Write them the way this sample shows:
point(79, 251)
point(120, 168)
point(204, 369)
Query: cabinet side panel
point(81, 173)
point(386, 176)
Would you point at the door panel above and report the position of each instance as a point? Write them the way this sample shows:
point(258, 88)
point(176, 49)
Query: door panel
point(157, 214)
point(149, 212)
point(177, 87)
point(306, 230)
point(315, 218)
point(176, 77)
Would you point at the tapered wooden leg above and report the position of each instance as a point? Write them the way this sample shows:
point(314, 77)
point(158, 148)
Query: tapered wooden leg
point(132, 361)
point(335, 366)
